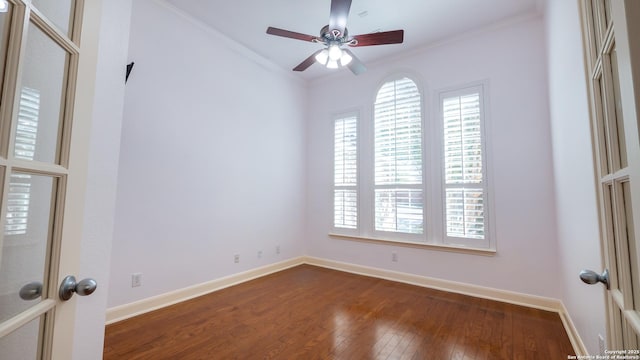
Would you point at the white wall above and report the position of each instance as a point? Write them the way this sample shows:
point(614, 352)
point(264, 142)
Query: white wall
point(102, 177)
point(578, 241)
point(212, 159)
point(512, 58)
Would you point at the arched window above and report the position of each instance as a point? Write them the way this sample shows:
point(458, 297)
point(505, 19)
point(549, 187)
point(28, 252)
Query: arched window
point(382, 189)
point(399, 196)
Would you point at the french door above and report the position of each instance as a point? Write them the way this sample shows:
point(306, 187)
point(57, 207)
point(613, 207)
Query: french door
point(46, 79)
point(611, 36)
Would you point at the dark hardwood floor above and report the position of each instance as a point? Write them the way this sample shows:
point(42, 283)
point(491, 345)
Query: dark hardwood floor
point(309, 312)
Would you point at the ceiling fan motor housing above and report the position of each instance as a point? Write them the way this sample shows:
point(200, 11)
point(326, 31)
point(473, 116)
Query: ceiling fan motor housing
point(331, 36)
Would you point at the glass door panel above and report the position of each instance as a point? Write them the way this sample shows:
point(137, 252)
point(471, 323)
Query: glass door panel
point(605, 166)
point(612, 64)
point(27, 234)
point(23, 344)
point(58, 11)
point(42, 98)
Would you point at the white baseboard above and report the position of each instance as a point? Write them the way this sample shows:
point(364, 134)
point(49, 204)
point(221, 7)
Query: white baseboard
point(572, 332)
point(126, 311)
point(122, 312)
point(511, 297)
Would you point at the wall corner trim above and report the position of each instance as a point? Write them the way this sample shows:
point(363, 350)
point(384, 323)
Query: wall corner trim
point(126, 311)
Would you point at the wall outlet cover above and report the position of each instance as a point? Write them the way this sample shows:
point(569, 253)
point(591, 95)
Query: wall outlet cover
point(136, 279)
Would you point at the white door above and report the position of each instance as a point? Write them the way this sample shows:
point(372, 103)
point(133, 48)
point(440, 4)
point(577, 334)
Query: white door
point(611, 32)
point(48, 57)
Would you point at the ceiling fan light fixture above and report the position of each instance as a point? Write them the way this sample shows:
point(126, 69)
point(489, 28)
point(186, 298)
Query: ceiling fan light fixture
point(333, 37)
point(345, 59)
point(323, 57)
point(335, 53)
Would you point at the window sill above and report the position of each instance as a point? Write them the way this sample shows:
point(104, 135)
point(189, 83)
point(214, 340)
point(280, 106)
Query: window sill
point(414, 244)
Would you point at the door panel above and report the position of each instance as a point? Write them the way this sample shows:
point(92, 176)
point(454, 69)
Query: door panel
point(608, 42)
point(59, 12)
point(23, 343)
point(27, 242)
point(46, 107)
point(43, 87)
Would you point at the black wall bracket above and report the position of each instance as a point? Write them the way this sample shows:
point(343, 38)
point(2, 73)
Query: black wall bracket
point(129, 68)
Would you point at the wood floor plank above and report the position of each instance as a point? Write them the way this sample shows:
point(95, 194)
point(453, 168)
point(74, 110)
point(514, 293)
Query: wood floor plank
point(309, 312)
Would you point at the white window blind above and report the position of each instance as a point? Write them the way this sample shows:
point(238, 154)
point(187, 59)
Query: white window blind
point(27, 131)
point(345, 192)
point(399, 199)
point(465, 192)
point(19, 194)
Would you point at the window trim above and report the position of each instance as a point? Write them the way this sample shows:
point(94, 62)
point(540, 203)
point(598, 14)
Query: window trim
point(416, 244)
point(334, 118)
point(488, 243)
point(433, 186)
point(371, 232)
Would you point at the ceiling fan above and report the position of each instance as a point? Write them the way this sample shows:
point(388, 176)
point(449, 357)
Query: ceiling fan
point(334, 36)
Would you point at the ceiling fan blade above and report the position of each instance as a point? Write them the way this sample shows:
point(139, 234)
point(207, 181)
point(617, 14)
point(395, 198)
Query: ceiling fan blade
point(290, 34)
point(356, 66)
point(380, 38)
point(307, 62)
point(339, 14)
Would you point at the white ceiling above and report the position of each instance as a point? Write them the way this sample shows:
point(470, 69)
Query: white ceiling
point(424, 22)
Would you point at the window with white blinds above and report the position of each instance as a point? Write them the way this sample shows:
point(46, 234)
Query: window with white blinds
point(464, 168)
point(399, 198)
point(401, 177)
point(19, 195)
point(345, 179)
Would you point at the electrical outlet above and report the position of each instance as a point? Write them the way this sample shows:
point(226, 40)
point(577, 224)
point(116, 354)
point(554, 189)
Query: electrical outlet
point(259, 254)
point(278, 249)
point(601, 346)
point(136, 279)
point(394, 256)
point(236, 258)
